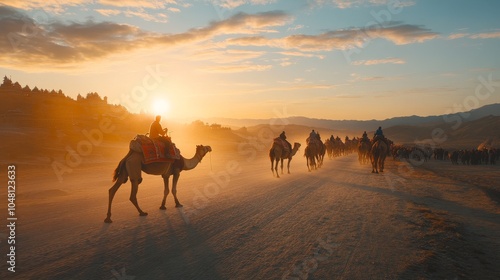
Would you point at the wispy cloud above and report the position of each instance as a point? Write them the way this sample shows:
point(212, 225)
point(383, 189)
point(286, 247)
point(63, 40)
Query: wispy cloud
point(61, 43)
point(236, 68)
point(223, 56)
point(380, 61)
point(396, 32)
point(301, 54)
point(345, 4)
point(486, 35)
point(359, 78)
point(108, 12)
point(149, 4)
point(231, 4)
point(53, 6)
point(457, 36)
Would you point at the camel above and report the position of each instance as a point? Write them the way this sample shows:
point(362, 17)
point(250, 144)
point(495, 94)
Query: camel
point(178, 166)
point(321, 154)
point(310, 152)
point(131, 166)
point(378, 153)
point(277, 153)
point(363, 152)
point(329, 148)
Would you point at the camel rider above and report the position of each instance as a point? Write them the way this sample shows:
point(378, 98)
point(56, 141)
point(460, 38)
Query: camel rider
point(312, 135)
point(332, 139)
point(156, 132)
point(364, 138)
point(288, 145)
point(283, 136)
point(379, 135)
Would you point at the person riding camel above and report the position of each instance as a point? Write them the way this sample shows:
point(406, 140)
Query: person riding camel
point(312, 135)
point(365, 138)
point(379, 132)
point(379, 135)
point(156, 132)
point(283, 137)
point(332, 139)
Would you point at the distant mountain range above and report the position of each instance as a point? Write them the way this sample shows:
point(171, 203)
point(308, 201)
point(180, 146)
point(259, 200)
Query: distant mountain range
point(368, 125)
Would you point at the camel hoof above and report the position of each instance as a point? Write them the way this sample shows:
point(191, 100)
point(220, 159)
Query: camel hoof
point(179, 205)
point(163, 207)
point(143, 214)
point(108, 221)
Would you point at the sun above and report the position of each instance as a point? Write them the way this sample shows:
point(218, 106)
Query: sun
point(160, 106)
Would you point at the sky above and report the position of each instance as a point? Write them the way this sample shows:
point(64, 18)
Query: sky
point(329, 59)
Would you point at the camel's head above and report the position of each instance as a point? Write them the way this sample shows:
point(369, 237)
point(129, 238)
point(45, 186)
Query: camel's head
point(296, 144)
point(203, 150)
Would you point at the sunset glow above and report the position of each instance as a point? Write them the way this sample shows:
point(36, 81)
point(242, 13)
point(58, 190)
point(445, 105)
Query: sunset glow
point(354, 59)
point(160, 106)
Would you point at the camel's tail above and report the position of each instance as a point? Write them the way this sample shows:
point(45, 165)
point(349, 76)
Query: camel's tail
point(120, 166)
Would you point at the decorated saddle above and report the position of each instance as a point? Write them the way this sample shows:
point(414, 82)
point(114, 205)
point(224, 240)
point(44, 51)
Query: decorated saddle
point(282, 143)
point(154, 150)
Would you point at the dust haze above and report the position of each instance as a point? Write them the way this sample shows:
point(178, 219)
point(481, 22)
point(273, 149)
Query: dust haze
point(417, 220)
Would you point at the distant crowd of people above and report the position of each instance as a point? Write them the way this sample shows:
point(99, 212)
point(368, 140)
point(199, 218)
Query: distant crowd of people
point(463, 156)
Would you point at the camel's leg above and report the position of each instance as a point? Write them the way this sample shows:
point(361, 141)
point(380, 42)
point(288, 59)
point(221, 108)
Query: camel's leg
point(374, 163)
point(177, 174)
point(281, 161)
point(275, 167)
point(112, 192)
point(272, 165)
point(133, 195)
point(288, 165)
point(165, 192)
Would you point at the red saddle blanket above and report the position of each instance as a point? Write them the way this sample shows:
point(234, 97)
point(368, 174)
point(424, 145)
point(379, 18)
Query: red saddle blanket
point(283, 144)
point(154, 150)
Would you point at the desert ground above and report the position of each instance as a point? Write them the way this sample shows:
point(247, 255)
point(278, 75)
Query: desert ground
point(431, 221)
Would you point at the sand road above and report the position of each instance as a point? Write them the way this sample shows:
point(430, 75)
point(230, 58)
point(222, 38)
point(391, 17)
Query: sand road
point(239, 222)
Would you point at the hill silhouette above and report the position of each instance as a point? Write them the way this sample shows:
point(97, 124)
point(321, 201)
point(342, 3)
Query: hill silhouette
point(468, 135)
point(362, 125)
point(45, 124)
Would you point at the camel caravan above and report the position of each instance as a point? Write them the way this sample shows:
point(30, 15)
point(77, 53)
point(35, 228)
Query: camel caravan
point(153, 154)
point(156, 154)
point(372, 151)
